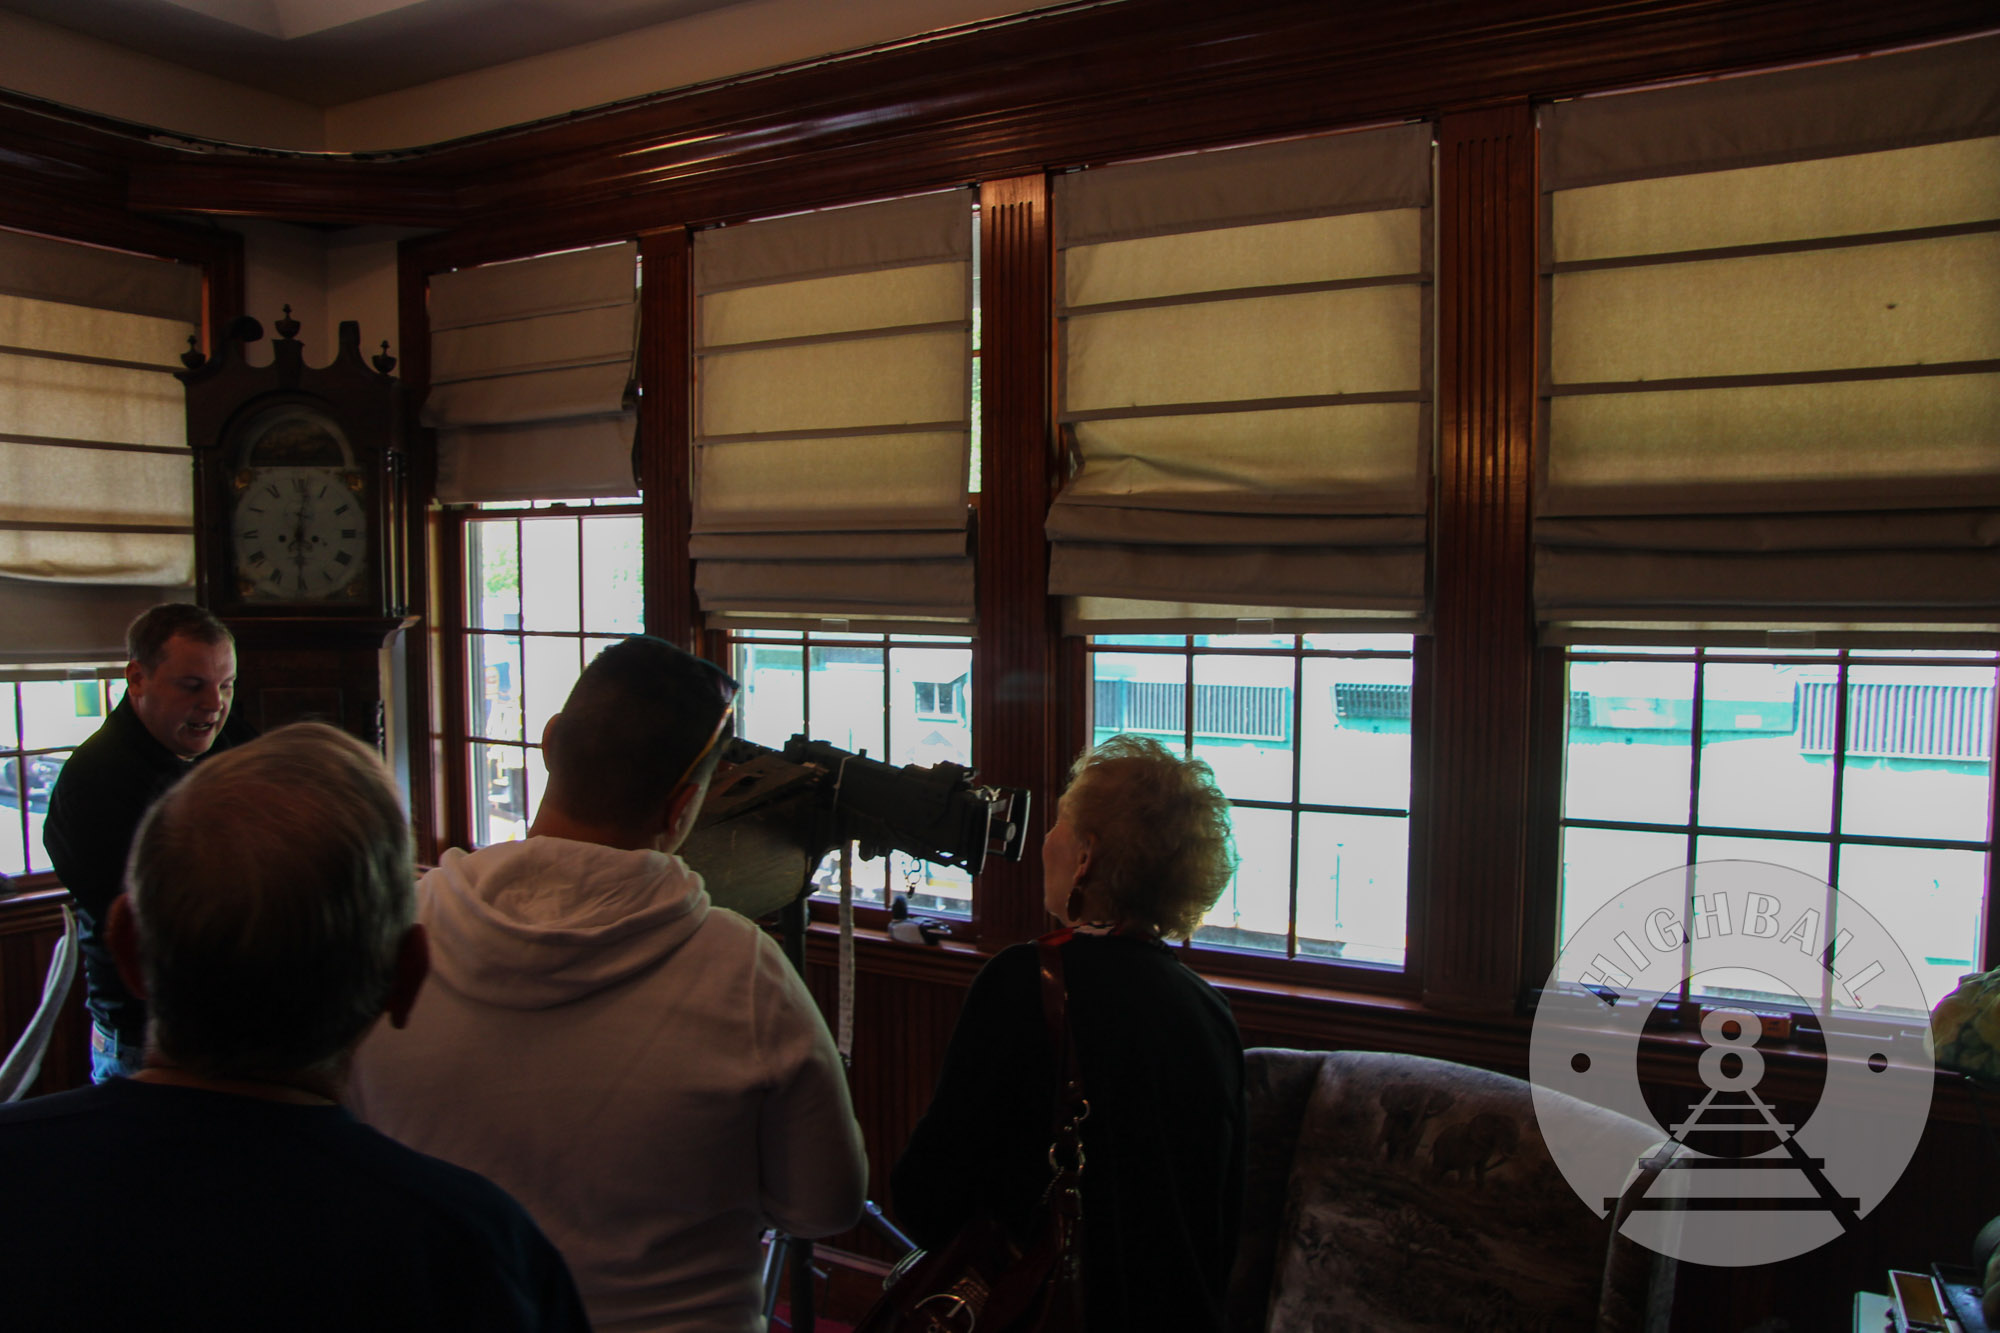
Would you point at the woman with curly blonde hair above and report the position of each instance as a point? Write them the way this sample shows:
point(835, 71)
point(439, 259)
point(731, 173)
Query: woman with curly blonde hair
point(1139, 852)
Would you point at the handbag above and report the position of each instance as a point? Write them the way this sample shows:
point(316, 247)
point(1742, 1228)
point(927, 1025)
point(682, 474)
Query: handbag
point(983, 1280)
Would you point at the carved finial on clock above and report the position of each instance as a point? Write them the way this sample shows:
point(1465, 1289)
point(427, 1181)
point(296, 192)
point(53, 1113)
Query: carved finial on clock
point(288, 328)
point(382, 361)
point(192, 358)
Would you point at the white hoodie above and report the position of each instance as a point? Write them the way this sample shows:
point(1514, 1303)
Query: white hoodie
point(645, 1072)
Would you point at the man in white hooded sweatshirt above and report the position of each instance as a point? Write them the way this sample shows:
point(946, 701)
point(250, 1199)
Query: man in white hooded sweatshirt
point(644, 1071)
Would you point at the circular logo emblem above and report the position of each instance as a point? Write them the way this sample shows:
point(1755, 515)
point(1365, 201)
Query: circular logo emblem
point(1736, 1180)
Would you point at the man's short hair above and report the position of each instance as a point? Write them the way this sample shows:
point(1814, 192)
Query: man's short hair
point(272, 888)
point(146, 638)
point(633, 727)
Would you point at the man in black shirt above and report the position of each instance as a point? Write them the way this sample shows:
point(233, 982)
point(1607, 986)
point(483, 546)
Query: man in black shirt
point(269, 923)
point(180, 677)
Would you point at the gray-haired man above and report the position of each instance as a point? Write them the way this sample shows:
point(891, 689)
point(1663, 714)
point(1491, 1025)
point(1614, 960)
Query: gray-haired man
point(269, 921)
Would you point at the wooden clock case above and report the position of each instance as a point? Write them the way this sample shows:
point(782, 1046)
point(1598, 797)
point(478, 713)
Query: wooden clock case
point(330, 661)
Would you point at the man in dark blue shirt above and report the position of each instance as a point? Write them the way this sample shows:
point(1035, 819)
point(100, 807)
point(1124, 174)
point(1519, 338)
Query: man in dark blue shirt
point(269, 922)
point(180, 678)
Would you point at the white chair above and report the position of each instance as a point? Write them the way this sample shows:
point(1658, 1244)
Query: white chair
point(24, 1062)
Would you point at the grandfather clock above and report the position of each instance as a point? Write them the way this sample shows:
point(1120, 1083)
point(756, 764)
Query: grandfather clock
point(299, 481)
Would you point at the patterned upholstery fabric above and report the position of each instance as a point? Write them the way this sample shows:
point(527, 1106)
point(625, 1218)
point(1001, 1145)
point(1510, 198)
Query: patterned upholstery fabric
point(1394, 1192)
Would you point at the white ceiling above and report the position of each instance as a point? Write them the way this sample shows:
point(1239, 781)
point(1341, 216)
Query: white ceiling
point(330, 52)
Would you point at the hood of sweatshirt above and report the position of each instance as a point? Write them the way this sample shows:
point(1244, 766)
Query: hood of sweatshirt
point(540, 923)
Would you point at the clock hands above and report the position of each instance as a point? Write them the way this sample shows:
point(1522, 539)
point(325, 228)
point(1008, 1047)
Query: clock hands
point(311, 533)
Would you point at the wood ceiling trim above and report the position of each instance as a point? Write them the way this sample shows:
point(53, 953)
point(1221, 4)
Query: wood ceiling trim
point(1072, 86)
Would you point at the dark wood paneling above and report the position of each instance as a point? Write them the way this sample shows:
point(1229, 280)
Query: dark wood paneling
point(1014, 655)
point(296, 189)
point(666, 432)
point(902, 1024)
point(30, 925)
point(299, 669)
point(1484, 641)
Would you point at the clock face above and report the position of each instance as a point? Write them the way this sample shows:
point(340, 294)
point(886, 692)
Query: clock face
point(300, 534)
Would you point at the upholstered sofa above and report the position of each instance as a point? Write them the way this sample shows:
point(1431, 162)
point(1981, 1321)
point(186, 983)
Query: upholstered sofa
point(1393, 1192)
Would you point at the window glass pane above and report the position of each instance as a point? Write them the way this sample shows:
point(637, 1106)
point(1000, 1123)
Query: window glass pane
point(1243, 724)
point(13, 854)
point(1141, 693)
point(772, 708)
point(1761, 652)
point(1629, 741)
point(1353, 887)
point(1807, 857)
point(493, 663)
point(930, 707)
point(1340, 643)
point(847, 699)
point(1600, 864)
point(548, 670)
point(1724, 909)
point(1746, 984)
point(870, 877)
point(59, 712)
point(933, 890)
point(537, 781)
point(614, 599)
point(1255, 909)
point(499, 794)
point(42, 771)
point(1919, 752)
point(1755, 769)
point(493, 559)
point(1920, 654)
point(550, 575)
point(1928, 898)
point(8, 731)
point(1356, 727)
point(1142, 640)
point(593, 646)
point(1282, 641)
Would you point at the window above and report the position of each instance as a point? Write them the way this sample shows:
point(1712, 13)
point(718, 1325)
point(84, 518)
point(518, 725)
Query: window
point(941, 700)
point(1869, 770)
point(1310, 738)
point(899, 698)
point(43, 716)
point(546, 588)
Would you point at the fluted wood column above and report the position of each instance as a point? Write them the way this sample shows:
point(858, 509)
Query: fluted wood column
point(1486, 210)
point(1013, 657)
point(666, 431)
point(434, 701)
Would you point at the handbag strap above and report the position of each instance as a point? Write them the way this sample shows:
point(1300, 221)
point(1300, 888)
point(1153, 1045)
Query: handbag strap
point(1070, 1104)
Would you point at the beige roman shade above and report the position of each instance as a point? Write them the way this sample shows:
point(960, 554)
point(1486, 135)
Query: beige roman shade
point(1246, 387)
point(1772, 386)
point(833, 416)
point(531, 368)
point(96, 480)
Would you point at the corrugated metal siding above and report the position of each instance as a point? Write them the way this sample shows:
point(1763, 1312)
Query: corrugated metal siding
point(1232, 712)
point(1899, 721)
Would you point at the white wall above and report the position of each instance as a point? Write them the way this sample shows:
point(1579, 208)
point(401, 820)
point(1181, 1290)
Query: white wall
point(361, 285)
point(61, 66)
point(756, 35)
point(58, 65)
point(326, 277)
